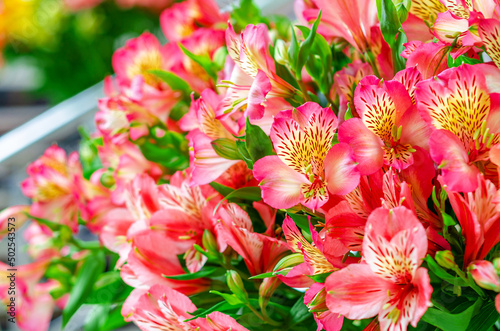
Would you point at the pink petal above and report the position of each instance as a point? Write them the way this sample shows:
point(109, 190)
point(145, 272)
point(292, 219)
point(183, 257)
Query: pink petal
point(341, 171)
point(449, 153)
point(281, 186)
point(356, 292)
point(367, 146)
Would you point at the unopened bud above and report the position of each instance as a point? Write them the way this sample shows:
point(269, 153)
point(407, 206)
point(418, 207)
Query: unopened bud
point(289, 262)
point(209, 242)
point(266, 290)
point(318, 302)
point(226, 148)
point(485, 275)
point(280, 52)
point(445, 259)
point(236, 286)
point(107, 179)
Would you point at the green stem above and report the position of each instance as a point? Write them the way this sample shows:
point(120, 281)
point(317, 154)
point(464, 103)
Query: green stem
point(303, 90)
point(264, 317)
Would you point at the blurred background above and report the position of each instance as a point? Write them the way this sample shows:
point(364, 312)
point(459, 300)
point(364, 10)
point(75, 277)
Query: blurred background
point(54, 55)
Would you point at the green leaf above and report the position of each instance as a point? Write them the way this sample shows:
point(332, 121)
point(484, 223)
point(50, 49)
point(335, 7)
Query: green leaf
point(461, 60)
point(320, 278)
point(299, 311)
point(205, 272)
point(222, 189)
point(443, 274)
point(293, 51)
point(107, 288)
point(246, 13)
point(485, 318)
point(175, 82)
point(393, 33)
point(169, 149)
point(452, 322)
point(305, 47)
point(221, 306)
point(348, 114)
point(251, 193)
point(230, 298)
point(115, 320)
point(203, 60)
point(243, 152)
point(257, 142)
point(87, 275)
point(301, 221)
point(88, 154)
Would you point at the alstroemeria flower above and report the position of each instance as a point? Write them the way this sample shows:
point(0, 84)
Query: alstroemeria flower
point(255, 79)
point(162, 308)
point(351, 20)
point(465, 117)
point(307, 167)
point(260, 251)
point(51, 186)
point(183, 18)
point(389, 126)
point(391, 284)
point(137, 57)
point(322, 256)
point(479, 219)
point(204, 128)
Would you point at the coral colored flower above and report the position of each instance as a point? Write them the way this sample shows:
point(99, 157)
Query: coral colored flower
point(255, 79)
point(260, 252)
point(204, 128)
point(306, 167)
point(315, 300)
point(51, 186)
point(391, 284)
point(389, 126)
point(34, 305)
point(322, 256)
point(479, 218)
point(464, 115)
point(162, 308)
point(183, 18)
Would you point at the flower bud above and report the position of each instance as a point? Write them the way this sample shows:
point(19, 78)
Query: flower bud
point(266, 290)
point(280, 52)
point(289, 261)
point(485, 275)
point(445, 259)
point(209, 243)
point(318, 301)
point(236, 286)
point(226, 148)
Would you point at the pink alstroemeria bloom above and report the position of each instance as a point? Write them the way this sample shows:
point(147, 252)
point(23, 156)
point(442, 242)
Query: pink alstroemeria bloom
point(486, 275)
point(465, 117)
point(479, 218)
point(255, 77)
point(162, 308)
point(183, 18)
point(34, 304)
point(391, 284)
point(12, 218)
point(137, 57)
point(204, 128)
point(51, 186)
point(489, 31)
point(351, 20)
point(389, 126)
point(307, 167)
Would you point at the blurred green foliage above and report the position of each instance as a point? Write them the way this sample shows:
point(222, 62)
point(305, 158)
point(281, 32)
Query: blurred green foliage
point(80, 46)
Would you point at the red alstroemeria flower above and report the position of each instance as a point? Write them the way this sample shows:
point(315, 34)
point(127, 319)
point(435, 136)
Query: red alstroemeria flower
point(479, 217)
point(391, 284)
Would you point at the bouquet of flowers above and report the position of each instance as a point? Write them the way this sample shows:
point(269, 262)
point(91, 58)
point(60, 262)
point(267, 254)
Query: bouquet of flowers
point(341, 172)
